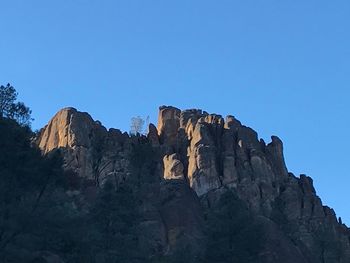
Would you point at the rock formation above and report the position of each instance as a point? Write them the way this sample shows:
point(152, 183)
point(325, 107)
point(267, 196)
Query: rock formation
point(173, 167)
point(88, 148)
point(209, 155)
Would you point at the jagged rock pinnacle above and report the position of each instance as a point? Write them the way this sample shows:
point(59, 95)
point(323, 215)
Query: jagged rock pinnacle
point(204, 154)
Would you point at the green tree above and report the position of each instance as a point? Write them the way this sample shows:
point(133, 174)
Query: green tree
point(25, 178)
point(233, 235)
point(114, 220)
point(11, 109)
point(143, 161)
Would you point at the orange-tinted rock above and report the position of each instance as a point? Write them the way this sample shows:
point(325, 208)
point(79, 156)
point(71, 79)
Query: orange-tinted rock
point(168, 124)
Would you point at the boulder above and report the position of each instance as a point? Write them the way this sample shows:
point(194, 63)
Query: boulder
point(173, 167)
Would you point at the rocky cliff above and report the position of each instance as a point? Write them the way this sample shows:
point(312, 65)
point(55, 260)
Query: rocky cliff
point(201, 157)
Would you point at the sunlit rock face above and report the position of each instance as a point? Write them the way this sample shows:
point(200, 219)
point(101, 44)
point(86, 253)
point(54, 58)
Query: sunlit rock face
point(68, 128)
point(89, 150)
point(171, 212)
point(168, 124)
point(173, 167)
point(70, 131)
point(203, 167)
point(199, 157)
point(218, 154)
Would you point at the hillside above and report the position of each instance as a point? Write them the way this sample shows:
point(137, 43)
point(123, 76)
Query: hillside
point(197, 188)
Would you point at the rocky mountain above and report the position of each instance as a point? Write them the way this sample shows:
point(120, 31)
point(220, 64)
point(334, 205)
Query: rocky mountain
point(213, 188)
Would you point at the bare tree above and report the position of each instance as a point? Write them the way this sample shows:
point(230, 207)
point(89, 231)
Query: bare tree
point(136, 126)
point(147, 125)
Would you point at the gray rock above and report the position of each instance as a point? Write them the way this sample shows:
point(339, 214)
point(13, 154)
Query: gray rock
point(203, 155)
point(173, 168)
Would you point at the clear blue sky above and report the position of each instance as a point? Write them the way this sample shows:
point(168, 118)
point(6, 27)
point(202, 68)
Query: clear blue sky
point(281, 67)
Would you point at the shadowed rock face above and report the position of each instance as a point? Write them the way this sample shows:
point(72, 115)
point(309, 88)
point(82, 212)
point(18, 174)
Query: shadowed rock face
point(209, 155)
point(226, 154)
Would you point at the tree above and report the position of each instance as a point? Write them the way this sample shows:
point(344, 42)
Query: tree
point(136, 126)
point(113, 229)
point(27, 178)
point(11, 109)
point(233, 235)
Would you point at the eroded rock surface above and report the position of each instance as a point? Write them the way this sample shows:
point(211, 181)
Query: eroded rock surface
point(89, 150)
point(173, 167)
point(220, 154)
point(204, 154)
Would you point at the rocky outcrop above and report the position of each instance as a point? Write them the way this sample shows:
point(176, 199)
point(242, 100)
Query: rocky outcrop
point(153, 135)
point(68, 128)
point(89, 150)
point(97, 155)
point(220, 154)
point(168, 124)
point(204, 154)
point(173, 168)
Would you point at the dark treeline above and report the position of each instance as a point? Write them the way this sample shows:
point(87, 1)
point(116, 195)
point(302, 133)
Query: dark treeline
point(38, 216)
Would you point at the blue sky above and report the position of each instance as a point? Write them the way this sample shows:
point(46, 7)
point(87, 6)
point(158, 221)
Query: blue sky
point(281, 67)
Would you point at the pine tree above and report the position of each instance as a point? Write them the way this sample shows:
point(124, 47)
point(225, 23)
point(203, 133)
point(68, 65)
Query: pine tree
point(11, 109)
